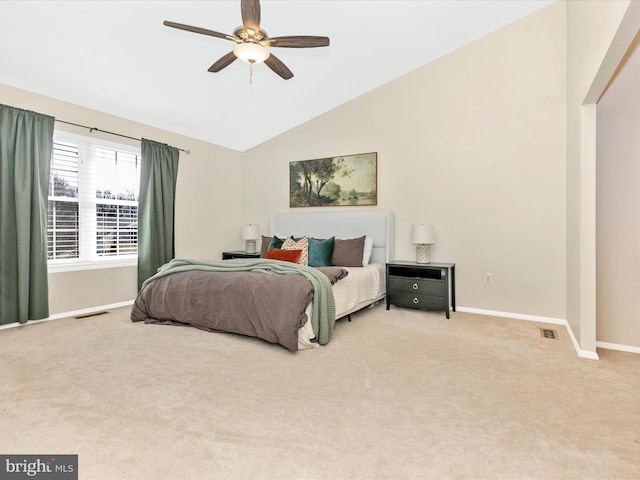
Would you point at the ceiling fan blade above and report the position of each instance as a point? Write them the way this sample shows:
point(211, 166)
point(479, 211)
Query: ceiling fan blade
point(223, 62)
point(297, 41)
point(250, 10)
point(203, 31)
point(277, 66)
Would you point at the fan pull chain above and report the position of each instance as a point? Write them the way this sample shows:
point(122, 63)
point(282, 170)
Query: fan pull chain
point(251, 73)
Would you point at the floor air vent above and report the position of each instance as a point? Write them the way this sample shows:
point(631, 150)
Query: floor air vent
point(91, 315)
point(546, 333)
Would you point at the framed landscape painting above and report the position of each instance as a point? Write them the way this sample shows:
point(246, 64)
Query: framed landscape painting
point(335, 181)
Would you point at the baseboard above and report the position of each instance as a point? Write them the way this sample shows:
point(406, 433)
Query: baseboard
point(517, 316)
point(74, 313)
point(535, 318)
point(581, 353)
point(615, 346)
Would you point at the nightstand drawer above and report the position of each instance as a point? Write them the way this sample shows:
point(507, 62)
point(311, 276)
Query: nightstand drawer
point(427, 302)
point(417, 286)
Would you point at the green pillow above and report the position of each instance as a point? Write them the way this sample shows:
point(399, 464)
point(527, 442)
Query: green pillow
point(275, 243)
point(320, 252)
point(268, 243)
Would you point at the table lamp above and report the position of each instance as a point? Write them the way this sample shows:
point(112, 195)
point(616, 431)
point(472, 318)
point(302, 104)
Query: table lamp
point(250, 233)
point(423, 236)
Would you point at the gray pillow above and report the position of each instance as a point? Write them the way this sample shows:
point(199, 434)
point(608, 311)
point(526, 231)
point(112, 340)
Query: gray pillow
point(348, 253)
point(264, 246)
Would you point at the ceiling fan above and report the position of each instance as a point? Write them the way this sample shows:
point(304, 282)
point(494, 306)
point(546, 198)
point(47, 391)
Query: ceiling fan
point(251, 41)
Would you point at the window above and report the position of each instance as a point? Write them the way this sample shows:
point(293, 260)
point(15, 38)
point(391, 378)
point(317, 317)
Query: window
point(93, 201)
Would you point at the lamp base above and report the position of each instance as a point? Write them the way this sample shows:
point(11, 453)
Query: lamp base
point(423, 254)
point(250, 246)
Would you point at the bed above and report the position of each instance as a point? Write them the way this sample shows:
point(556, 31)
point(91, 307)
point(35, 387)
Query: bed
point(294, 306)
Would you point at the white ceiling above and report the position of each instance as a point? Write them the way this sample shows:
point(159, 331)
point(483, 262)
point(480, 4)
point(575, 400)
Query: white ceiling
point(117, 57)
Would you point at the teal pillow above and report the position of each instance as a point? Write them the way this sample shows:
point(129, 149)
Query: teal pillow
point(275, 243)
point(320, 252)
point(268, 243)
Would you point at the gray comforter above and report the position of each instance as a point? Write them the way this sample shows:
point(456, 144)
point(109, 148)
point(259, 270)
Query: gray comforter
point(255, 297)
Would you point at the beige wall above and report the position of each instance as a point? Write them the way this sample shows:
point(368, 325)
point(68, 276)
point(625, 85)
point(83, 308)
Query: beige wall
point(618, 206)
point(209, 206)
point(597, 37)
point(473, 143)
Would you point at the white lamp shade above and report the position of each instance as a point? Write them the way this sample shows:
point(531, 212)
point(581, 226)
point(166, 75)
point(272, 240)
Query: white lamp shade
point(250, 232)
point(423, 234)
point(251, 52)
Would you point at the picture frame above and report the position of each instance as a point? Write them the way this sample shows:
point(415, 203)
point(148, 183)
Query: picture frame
point(345, 180)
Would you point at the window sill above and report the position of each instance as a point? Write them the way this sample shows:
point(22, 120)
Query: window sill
point(77, 266)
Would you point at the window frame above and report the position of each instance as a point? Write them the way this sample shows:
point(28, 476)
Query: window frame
point(77, 264)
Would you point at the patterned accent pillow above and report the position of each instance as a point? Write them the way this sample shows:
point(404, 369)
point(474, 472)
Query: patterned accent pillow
point(302, 244)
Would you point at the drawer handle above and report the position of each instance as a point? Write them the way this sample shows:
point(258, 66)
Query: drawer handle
point(415, 286)
point(415, 300)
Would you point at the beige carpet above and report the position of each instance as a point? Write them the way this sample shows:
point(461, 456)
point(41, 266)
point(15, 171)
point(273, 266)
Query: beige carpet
point(396, 394)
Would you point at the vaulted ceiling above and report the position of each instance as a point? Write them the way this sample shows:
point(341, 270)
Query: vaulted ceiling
point(119, 58)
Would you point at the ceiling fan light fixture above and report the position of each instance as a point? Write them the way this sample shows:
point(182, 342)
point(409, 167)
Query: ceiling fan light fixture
point(251, 52)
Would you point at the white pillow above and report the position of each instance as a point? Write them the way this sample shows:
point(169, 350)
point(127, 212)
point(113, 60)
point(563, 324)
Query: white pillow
point(302, 244)
point(368, 248)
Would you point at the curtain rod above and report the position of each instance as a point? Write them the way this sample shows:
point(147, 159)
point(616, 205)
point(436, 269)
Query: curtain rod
point(94, 129)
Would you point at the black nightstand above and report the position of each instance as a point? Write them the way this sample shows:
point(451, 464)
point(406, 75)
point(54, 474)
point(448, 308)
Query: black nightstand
point(239, 254)
point(421, 285)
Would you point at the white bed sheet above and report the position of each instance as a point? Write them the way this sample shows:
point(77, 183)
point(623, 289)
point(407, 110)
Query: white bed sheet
point(363, 285)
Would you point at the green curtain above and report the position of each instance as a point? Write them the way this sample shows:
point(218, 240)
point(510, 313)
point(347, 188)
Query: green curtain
point(156, 207)
point(26, 142)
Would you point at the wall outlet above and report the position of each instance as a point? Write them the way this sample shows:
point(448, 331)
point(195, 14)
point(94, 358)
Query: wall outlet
point(488, 278)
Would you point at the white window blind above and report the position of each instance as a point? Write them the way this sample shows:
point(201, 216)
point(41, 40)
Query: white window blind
point(93, 201)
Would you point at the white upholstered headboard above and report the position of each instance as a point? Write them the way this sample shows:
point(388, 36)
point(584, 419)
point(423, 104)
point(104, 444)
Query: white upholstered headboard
point(377, 224)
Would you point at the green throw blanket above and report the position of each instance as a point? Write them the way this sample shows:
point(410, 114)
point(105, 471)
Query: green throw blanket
point(323, 311)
